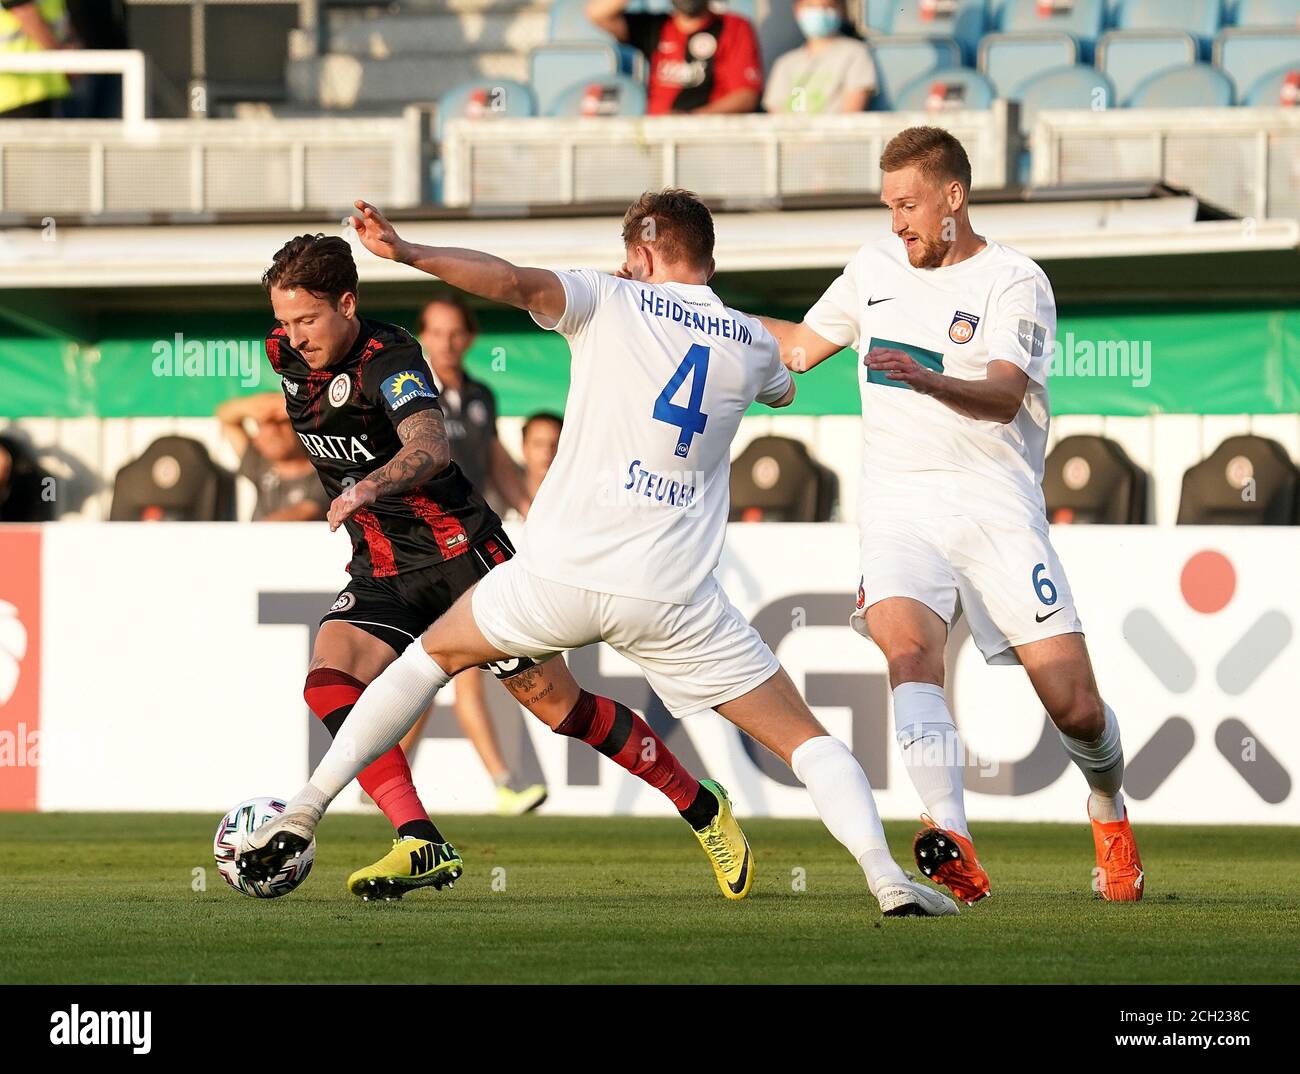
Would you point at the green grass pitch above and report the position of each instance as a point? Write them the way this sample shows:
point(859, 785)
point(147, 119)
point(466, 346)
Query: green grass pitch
point(100, 898)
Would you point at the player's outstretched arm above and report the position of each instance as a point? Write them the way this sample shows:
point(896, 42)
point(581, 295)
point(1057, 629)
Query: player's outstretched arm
point(536, 290)
point(801, 347)
point(424, 454)
point(995, 398)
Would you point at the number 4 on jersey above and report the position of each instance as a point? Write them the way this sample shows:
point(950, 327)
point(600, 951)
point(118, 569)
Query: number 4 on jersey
point(689, 418)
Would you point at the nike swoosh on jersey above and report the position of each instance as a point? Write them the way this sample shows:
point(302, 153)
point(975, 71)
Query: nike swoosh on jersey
point(875, 301)
point(1044, 618)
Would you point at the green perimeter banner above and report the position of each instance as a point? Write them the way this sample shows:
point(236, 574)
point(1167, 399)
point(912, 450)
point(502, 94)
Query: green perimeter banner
point(1119, 361)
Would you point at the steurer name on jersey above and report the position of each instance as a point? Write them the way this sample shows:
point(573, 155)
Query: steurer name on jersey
point(663, 488)
point(726, 327)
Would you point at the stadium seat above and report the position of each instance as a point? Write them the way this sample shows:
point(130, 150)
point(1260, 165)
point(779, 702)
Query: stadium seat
point(1275, 14)
point(1090, 479)
point(174, 480)
point(1007, 60)
point(1198, 85)
point(775, 480)
point(554, 68)
point(1249, 480)
point(1081, 19)
point(484, 98)
point(948, 90)
point(1277, 89)
point(1066, 88)
point(879, 16)
point(1200, 18)
point(962, 20)
point(902, 60)
point(1130, 57)
point(568, 22)
point(1246, 56)
point(617, 95)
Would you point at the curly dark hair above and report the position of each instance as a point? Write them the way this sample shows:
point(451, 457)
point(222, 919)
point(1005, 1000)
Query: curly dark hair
point(675, 222)
point(321, 264)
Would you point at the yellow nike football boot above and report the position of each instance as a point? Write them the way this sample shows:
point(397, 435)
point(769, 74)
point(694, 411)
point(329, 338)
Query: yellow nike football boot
point(412, 863)
point(726, 846)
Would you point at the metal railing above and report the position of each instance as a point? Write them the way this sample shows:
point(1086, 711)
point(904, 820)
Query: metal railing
point(1244, 160)
point(129, 63)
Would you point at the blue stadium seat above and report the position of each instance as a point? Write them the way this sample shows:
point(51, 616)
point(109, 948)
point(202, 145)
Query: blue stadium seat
point(1281, 14)
point(1198, 85)
point(484, 97)
point(880, 14)
point(1200, 18)
point(1008, 59)
point(614, 95)
point(569, 22)
point(1246, 56)
point(949, 89)
point(1077, 87)
point(901, 60)
point(1279, 88)
point(1129, 57)
point(1081, 19)
point(962, 20)
point(554, 68)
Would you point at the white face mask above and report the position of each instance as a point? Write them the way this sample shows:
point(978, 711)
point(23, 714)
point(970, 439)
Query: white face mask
point(818, 21)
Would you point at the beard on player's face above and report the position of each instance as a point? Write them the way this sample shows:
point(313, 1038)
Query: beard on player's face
point(320, 331)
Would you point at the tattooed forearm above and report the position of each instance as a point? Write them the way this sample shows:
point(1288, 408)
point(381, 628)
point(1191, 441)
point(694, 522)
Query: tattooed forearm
point(425, 452)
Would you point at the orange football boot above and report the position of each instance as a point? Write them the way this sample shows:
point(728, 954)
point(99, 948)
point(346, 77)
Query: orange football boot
point(949, 859)
point(1118, 876)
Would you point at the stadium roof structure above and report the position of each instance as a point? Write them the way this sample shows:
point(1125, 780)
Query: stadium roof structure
point(1134, 225)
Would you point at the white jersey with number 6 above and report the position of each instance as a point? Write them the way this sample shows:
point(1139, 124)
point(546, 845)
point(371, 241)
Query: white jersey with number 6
point(636, 502)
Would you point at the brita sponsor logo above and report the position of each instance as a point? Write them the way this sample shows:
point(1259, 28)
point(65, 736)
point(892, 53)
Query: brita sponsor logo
point(75, 1026)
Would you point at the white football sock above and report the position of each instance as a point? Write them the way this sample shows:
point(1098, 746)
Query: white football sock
point(932, 752)
point(1102, 765)
point(384, 712)
point(842, 795)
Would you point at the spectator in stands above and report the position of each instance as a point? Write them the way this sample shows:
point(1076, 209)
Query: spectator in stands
point(32, 26)
point(831, 72)
point(447, 331)
point(23, 489)
point(96, 24)
point(272, 457)
point(699, 61)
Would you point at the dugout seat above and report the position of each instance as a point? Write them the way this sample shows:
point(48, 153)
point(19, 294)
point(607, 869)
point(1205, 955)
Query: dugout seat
point(949, 90)
point(1280, 88)
point(554, 68)
point(1246, 56)
point(902, 60)
point(1081, 19)
point(1129, 57)
point(1090, 479)
point(1268, 14)
point(963, 20)
point(775, 479)
point(1248, 480)
point(1199, 18)
point(615, 95)
point(174, 480)
point(1198, 85)
point(1010, 60)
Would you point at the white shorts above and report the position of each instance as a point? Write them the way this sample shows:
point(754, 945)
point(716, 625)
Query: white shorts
point(1006, 579)
point(695, 656)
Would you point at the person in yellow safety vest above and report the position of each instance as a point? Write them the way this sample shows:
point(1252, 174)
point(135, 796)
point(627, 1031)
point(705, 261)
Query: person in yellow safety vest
point(31, 26)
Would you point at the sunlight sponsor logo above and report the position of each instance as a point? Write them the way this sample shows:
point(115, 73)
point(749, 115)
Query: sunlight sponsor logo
point(232, 358)
point(1127, 359)
point(75, 1026)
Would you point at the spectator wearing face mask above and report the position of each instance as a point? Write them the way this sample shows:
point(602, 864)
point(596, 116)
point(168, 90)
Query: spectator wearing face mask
point(831, 72)
point(700, 61)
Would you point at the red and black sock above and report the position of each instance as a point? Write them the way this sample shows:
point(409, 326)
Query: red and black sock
point(626, 739)
point(330, 694)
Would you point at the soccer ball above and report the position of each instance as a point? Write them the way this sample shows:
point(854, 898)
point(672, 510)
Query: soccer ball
point(230, 841)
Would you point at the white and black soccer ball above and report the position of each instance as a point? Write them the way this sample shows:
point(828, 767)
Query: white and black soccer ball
point(230, 841)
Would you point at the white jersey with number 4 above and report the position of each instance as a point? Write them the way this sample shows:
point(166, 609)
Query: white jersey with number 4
point(922, 459)
point(636, 502)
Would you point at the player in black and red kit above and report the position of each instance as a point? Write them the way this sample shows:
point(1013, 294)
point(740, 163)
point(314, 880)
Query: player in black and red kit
point(359, 396)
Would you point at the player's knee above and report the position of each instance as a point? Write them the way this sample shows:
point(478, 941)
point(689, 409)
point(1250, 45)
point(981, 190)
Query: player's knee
point(914, 662)
point(1083, 718)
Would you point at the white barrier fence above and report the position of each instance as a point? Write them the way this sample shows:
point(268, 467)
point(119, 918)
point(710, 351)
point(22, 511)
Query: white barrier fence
point(160, 667)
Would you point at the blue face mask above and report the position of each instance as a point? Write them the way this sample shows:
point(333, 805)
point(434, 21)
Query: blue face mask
point(818, 21)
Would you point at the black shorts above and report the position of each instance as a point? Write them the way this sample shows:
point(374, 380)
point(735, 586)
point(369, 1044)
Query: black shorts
point(398, 610)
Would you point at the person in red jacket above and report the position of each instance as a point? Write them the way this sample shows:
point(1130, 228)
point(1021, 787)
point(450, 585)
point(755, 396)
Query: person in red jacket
point(700, 61)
